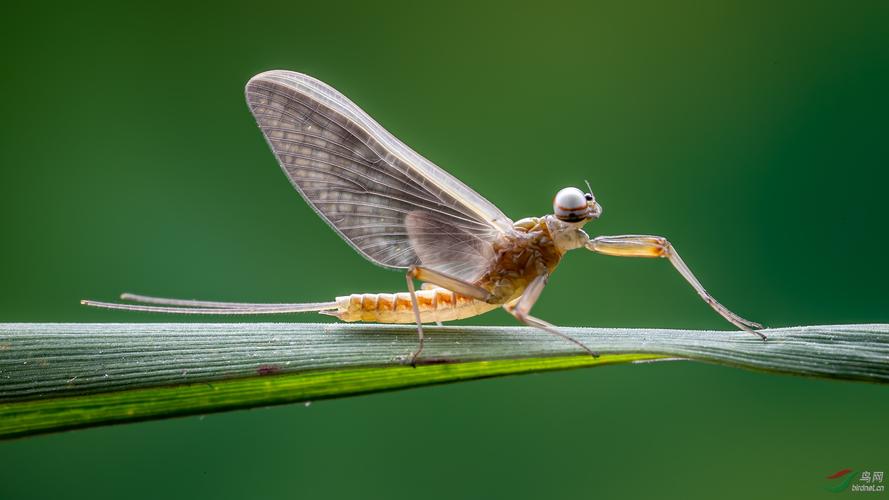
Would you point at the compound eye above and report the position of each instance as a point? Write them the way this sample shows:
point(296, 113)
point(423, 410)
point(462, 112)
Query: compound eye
point(570, 205)
point(588, 196)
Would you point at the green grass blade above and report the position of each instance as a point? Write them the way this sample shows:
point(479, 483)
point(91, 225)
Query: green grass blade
point(64, 376)
point(39, 416)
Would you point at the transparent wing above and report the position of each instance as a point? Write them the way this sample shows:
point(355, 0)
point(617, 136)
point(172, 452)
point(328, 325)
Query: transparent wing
point(392, 205)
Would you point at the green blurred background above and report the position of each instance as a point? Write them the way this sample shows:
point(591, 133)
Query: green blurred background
point(753, 135)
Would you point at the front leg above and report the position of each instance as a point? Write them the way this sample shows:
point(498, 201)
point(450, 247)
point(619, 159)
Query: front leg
point(521, 308)
point(632, 245)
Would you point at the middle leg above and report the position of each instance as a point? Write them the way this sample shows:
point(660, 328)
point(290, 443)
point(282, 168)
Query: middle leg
point(521, 309)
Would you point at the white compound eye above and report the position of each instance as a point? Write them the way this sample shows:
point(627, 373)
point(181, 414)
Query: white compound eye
point(570, 205)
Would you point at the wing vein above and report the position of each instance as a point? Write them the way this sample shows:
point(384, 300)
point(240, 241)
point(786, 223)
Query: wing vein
point(392, 205)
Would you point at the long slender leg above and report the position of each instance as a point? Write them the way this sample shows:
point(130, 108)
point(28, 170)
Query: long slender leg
point(442, 280)
point(449, 282)
point(520, 310)
point(410, 288)
point(634, 245)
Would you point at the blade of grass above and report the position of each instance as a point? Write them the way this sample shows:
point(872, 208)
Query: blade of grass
point(39, 416)
point(63, 376)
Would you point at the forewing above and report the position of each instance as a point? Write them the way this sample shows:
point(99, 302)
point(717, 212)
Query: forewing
point(392, 205)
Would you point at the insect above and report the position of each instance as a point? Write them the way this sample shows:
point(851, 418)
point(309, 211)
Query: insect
point(402, 212)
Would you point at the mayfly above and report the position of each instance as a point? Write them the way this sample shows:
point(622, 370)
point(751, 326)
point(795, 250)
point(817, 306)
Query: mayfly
point(402, 212)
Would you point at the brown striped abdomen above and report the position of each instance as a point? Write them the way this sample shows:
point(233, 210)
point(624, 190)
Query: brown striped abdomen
point(435, 304)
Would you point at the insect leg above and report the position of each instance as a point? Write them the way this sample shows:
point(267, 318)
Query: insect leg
point(449, 282)
point(521, 308)
point(632, 245)
point(410, 288)
point(443, 280)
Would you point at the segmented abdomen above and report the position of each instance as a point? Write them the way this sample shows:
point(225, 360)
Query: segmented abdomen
point(435, 304)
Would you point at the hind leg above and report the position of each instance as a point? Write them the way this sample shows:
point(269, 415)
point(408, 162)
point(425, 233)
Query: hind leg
point(443, 280)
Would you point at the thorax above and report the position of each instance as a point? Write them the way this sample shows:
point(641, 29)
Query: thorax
point(521, 256)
